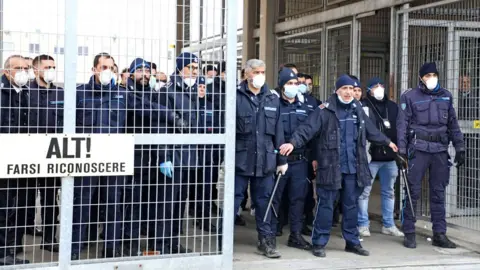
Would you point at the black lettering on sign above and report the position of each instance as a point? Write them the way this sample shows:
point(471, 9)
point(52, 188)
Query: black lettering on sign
point(56, 150)
point(16, 169)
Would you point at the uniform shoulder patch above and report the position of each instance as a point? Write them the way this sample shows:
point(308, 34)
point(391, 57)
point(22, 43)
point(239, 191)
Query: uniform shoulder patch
point(404, 106)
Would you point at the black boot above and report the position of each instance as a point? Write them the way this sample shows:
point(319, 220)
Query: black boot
point(358, 249)
point(306, 230)
point(266, 247)
point(441, 240)
point(239, 221)
point(318, 251)
point(409, 240)
point(296, 240)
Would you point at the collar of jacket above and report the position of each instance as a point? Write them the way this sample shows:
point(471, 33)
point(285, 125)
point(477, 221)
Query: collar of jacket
point(331, 104)
point(296, 103)
point(179, 84)
point(423, 88)
point(6, 85)
point(34, 85)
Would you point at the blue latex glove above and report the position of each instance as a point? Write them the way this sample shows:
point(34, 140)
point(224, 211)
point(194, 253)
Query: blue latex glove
point(166, 168)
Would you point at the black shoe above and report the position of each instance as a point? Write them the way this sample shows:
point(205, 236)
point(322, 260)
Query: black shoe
point(75, 257)
point(11, 260)
point(239, 221)
point(266, 247)
point(358, 249)
point(279, 230)
point(441, 240)
point(111, 253)
point(409, 240)
point(49, 246)
point(318, 251)
point(306, 230)
point(296, 240)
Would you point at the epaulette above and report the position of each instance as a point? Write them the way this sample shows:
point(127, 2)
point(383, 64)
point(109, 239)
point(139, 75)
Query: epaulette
point(406, 91)
point(273, 91)
point(323, 105)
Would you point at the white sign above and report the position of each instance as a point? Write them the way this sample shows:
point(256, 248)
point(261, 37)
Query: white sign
point(57, 155)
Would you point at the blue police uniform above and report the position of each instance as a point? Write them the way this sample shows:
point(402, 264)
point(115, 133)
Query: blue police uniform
point(259, 131)
point(14, 105)
point(46, 116)
point(100, 109)
point(182, 99)
point(210, 122)
point(342, 164)
point(293, 115)
point(428, 125)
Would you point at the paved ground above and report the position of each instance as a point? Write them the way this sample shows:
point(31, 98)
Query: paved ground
point(387, 252)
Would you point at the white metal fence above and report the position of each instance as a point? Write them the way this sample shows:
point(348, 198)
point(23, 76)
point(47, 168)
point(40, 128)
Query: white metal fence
point(128, 164)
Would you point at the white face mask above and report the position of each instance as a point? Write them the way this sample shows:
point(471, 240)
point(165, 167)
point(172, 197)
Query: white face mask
point(189, 81)
point(49, 75)
point(21, 78)
point(291, 91)
point(258, 81)
point(31, 74)
point(106, 77)
point(209, 81)
point(344, 101)
point(379, 93)
point(157, 86)
point(152, 82)
point(431, 83)
point(302, 88)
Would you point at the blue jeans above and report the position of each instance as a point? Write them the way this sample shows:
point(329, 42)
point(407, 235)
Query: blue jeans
point(387, 172)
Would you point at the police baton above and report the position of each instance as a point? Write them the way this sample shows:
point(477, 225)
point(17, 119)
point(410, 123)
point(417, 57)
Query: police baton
point(270, 202)
point(403, 176)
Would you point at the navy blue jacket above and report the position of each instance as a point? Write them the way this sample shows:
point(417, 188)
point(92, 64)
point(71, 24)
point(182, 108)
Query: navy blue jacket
point(210, 121)
point(348, 137)
point(14, 108)
point(259, 132)
point(183, 101)
point(148, 117)
point(311, 102)
point(216, 93)
point(100, 109)
point(428, 113)
point(293, 115)
point(46, 108)
point(325, 123)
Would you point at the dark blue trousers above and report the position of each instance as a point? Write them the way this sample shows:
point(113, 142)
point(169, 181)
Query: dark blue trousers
point(439, 172)
point(295, 181)
point(260, 190)
point(323, 218)
point(111, 191)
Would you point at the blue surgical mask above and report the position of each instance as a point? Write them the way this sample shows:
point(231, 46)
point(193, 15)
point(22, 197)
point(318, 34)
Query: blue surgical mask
point(302, 88)
point(291, 91)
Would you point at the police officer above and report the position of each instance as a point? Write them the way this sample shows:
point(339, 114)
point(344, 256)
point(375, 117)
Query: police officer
point(46, 110)
point(259, 132)
point(305, 92)
point(429, 125)
point(383, 113)
point(100, 109)
point(293, 114)
point(208, 158)
point(14, 102)
point(181, 97)
point(342, 161)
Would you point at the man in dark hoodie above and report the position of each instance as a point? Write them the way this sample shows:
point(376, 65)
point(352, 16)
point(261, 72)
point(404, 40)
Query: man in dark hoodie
point(383, 113)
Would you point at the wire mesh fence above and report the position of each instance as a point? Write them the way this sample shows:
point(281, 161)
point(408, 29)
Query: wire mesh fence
point(135, 129)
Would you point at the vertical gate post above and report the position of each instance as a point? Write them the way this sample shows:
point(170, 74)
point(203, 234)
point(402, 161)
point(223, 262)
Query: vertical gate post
point(66, 204)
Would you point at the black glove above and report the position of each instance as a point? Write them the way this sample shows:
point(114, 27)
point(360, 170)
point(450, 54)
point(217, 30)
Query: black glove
point(401, 160)
point(459, 158)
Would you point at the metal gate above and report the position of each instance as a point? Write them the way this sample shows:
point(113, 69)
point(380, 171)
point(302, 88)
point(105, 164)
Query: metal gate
point(105, 212)
point(447, 32)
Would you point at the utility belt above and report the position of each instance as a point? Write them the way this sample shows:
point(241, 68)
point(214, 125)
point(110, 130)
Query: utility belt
point(443, 139)
point(296, 157)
